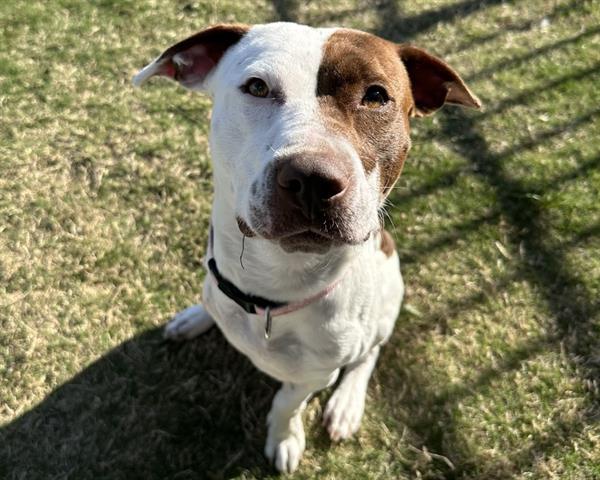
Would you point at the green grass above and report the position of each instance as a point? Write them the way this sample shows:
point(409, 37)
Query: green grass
point(105, 194)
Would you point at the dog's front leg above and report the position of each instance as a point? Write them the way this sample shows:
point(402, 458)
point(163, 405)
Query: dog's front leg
point(285, 439)
point(345, 408)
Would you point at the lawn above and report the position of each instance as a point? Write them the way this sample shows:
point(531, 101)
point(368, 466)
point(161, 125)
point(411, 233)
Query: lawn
point(105, 191)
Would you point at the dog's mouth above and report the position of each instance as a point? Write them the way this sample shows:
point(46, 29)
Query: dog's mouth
point(302, 239)
point(315, 241)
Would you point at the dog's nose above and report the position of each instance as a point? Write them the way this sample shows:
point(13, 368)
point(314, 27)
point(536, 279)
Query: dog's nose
point(311, 183)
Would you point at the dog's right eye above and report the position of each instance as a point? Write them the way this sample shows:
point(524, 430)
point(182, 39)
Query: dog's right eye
point(256, 87)
point(375, 97)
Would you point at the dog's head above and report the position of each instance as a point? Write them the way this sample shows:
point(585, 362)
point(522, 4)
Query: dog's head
point(310, 127)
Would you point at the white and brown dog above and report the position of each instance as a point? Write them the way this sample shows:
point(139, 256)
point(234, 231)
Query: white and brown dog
point(309, 132)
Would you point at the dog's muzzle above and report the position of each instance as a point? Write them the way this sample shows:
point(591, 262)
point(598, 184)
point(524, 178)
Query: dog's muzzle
point(310, 197)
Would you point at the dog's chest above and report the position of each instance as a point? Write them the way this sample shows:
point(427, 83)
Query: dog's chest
point(303, 345)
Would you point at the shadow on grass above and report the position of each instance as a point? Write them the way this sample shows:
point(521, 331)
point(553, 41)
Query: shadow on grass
point(534, 53)
point(580, 173)
point(589, 233)
point(544, 265)
point(515, 27)
point(286, 10)
point(429, 410)
point(147, 409)
point(400, 28)
point(525, 97)
point(450, 178)
point(448, 237)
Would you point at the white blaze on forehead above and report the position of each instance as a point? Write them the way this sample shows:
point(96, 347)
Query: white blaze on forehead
point(286, 55)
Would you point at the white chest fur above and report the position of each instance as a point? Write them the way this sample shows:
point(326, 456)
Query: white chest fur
point(316, 340)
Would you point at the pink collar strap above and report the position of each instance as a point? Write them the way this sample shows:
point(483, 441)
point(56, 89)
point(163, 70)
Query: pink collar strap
point(294, 306)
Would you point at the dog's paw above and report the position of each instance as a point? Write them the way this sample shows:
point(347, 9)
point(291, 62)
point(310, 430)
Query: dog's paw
point(188, 323)
point(343, 413)
point(285, 449)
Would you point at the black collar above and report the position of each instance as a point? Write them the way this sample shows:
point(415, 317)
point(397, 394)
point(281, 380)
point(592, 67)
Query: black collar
point(248, 302)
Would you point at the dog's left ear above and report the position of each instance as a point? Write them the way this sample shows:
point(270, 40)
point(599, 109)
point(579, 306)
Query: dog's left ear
point(190, 61)
point(434, 82)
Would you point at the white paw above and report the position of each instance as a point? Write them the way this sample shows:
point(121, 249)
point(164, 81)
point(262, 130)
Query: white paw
point(285, 448)
point(188, 323)
point(343, 413)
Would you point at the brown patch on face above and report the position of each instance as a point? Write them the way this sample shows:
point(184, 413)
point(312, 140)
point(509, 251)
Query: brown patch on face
point(352, 62)
point(388, 246)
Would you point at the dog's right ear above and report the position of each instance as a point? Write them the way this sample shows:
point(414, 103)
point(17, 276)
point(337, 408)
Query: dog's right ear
point(192, 59)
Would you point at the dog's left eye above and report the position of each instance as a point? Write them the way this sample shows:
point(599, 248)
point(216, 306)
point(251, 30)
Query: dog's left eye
point(375, 97)
point(256, 87)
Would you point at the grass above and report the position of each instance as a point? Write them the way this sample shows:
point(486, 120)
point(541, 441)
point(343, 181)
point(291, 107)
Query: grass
point(493, 369)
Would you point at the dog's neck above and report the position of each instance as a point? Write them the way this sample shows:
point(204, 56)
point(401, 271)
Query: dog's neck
point(261, 267)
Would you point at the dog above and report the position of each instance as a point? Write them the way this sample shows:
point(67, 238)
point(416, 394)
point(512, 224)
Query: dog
point(309, 133)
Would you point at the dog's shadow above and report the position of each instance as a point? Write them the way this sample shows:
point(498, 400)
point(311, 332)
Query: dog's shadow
point(147, 409)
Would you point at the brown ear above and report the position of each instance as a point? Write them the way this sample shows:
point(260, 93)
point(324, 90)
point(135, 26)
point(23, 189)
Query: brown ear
point(190, 60)
point(433, 82)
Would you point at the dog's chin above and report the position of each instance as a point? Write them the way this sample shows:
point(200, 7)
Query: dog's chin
point(308, 242)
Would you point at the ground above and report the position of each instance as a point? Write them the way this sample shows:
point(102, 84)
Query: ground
point(105, 191)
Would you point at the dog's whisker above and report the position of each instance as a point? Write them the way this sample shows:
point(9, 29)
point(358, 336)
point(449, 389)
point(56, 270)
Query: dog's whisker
point(242, 252)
